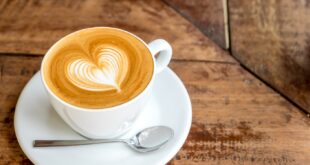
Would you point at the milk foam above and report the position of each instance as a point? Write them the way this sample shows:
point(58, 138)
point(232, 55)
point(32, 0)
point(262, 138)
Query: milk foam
point(105, 71)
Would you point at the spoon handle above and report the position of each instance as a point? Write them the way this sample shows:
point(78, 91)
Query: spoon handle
point(51, 143)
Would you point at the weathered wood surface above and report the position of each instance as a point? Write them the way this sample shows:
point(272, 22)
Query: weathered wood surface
point(272, 39)
point(236, 118)
point(33, 26)
point(239, 120)
point(207, 15)
point(14, 73)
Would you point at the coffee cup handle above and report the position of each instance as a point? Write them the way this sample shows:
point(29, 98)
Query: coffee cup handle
point(162, 52)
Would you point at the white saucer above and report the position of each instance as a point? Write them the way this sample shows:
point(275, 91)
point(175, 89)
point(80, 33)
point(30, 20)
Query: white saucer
point(35, 119)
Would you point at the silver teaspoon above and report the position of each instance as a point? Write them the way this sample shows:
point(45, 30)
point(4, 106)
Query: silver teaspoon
point(149, 139)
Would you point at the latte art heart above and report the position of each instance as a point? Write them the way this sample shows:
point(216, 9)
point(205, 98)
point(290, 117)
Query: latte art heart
point(104, 71)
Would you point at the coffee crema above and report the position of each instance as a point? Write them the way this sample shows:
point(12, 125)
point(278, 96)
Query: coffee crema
point(98, 68)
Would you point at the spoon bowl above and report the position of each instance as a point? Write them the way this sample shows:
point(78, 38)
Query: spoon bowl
point(150, 139)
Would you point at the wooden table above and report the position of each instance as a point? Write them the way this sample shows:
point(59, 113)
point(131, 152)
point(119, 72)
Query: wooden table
point(237, 119)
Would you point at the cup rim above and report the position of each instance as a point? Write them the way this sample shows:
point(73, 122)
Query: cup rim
point(112, 108)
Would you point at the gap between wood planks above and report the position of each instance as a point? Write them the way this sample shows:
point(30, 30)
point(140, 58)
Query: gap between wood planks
point(174, 60)
point(274, 89)
point(21, 54)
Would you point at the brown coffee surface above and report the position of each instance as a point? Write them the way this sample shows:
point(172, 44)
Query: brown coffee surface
point(98, 68)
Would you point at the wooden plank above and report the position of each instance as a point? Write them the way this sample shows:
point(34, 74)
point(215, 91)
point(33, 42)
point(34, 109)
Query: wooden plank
point(272, 39)
point(236, 118)
point(14, 74)
point(208, 16)
point(38, 24)
point(239, 120)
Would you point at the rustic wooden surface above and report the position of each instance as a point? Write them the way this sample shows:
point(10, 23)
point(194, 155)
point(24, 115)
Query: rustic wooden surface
point(237, 119)
point(33, 26)
point(272, 38)
point(207, 15)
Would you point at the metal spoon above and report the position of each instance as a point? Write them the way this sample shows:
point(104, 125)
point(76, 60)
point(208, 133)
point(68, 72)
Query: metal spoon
point(149, 139)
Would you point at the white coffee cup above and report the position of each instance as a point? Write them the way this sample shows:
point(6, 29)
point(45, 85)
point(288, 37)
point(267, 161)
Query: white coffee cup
point(113, 121)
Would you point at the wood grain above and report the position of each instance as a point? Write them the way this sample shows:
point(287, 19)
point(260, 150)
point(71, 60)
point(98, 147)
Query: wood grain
point(272, 39)
point(14, 74)
point(236, 118)
point(207, 15)
point(33, 26)
point(239, 120)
